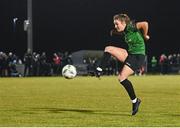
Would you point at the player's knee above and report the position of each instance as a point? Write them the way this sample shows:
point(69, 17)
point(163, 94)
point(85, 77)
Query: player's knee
point(108, 49)
point(125, 54)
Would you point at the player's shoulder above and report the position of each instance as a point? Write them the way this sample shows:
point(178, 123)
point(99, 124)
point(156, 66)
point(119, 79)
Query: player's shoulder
point(131, 26)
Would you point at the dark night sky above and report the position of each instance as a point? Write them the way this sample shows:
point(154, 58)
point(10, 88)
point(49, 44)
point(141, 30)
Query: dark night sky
point(72, 25)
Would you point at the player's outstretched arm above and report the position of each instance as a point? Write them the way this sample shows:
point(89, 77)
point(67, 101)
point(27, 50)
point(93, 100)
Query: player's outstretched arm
point(143, 26)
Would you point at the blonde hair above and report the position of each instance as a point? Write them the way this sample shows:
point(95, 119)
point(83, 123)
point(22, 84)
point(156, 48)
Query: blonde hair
point(122, 17)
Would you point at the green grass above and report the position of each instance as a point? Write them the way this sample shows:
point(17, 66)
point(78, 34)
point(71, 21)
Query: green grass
point(87, 101)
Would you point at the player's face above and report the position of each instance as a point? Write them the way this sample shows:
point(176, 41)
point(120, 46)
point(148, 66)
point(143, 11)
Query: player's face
point(119, 25)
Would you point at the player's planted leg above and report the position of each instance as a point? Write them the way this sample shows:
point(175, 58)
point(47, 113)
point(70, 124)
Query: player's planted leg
point(135, 106)
point(130, 90)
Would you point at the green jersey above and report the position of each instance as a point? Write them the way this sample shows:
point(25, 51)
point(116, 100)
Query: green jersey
point(134, 38)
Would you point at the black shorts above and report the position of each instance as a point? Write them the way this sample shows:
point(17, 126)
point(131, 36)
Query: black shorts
point(135, 61)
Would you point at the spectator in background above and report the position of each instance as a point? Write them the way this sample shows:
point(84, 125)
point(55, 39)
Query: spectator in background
point(28, 63)
point(56, 64)
point(163, 62)
point(36, 64)
point(66, 59)
point(43, 62)
point(174, 59)
point(10, 62)
point(178, 58)
point(3, 64)
point(153, 64)
point(45, 67)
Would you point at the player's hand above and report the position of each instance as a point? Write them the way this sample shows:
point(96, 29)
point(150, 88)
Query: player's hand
point(146, 37)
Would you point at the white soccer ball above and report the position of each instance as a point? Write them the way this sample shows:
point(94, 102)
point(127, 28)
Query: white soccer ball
point(69, 71)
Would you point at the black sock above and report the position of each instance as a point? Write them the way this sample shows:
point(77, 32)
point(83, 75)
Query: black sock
point(104, 60)
point(129, 88)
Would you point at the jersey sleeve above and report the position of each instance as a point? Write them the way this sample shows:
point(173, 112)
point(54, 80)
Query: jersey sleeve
point(134, 27)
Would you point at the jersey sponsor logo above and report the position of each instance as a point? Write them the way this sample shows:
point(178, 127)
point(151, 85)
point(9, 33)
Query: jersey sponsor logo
point(129, 40)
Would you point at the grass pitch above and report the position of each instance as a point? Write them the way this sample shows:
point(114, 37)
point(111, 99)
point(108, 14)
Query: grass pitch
point(87, 101)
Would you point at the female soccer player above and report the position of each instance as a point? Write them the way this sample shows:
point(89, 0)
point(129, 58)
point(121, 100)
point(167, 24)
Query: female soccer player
point(135, 35)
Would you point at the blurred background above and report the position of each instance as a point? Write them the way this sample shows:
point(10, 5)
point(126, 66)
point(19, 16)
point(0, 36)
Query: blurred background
point(68, 26)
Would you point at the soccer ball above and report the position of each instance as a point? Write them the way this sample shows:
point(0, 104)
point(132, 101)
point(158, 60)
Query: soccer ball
point(69, 71)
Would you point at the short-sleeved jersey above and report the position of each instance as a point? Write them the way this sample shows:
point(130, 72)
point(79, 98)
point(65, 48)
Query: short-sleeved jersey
point(134, 38)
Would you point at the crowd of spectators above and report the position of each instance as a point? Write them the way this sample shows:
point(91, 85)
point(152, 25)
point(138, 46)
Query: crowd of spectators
point(165, 64)
point(8, 64)
point(35, 64)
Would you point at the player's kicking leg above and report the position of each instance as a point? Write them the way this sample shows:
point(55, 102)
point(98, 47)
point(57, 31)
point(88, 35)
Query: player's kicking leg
point(118, 53)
